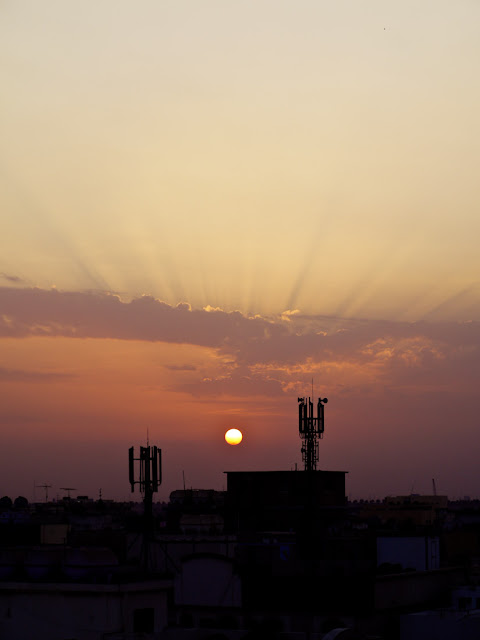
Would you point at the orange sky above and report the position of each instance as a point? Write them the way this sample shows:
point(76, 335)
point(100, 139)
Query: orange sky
point(205, 205)
point(84, 376)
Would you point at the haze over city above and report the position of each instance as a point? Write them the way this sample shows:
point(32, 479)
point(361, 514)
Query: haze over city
point(207, 205)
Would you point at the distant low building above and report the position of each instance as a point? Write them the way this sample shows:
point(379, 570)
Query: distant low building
point(419, 553)
point(202, 523)
point(197, 497)
point(85, 611)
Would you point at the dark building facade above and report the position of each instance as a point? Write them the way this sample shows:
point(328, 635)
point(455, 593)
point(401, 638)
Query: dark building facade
point(282, 500)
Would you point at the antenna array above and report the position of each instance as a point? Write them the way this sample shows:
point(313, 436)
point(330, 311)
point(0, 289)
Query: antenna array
point(310, 430)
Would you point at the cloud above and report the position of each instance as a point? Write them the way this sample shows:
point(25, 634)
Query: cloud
point(40, 312)
point(18, 375)
point(11, 278)
point(234, 385)
point(257, 350)
point(180, 367)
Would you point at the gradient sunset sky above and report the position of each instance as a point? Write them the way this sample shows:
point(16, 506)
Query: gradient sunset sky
point(206, 204)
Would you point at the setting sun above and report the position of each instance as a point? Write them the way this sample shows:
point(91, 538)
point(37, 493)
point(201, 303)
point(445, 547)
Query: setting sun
point(233, 436)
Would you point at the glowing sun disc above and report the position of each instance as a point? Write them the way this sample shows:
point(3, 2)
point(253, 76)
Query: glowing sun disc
point(233, 436)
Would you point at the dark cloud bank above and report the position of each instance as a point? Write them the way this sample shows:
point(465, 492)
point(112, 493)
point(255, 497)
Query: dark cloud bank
point(447, 349)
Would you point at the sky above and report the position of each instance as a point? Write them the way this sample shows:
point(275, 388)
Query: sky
point(206, 206)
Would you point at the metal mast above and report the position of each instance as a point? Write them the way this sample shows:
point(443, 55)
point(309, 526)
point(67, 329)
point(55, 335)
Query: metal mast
point(310, 430)
point(149, 478)
point(46, 487)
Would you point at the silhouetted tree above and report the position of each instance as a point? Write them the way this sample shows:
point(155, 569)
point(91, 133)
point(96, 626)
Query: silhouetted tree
point(20, 503)
point(5, 502)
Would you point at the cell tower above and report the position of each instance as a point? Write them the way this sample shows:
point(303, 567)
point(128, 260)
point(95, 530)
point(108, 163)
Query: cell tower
point(310, 430)
point(149, 478)
point(150, 469)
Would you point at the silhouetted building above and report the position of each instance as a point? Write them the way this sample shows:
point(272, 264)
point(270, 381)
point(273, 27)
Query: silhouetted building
point(282, 500)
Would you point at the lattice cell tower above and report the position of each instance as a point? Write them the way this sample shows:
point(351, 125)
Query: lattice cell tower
point(311, 430)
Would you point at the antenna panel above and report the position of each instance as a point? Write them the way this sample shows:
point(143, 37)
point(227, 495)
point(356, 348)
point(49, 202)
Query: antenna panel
point(310, 429)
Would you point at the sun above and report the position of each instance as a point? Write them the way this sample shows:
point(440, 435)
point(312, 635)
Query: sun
point(233, 436)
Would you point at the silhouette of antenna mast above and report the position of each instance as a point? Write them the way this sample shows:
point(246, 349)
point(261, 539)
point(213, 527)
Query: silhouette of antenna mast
point(150, 469)
point(310, 430)
point(149, 478)
point(46, 487)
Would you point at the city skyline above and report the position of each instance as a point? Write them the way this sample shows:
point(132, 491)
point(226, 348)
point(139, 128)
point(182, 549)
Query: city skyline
point(206, 206)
